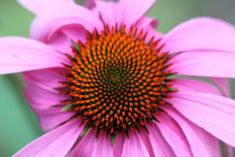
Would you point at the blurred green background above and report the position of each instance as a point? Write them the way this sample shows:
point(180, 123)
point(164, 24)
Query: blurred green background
point(18, 124)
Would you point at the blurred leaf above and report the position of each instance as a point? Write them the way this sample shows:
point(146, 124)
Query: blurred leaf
point(18, 123)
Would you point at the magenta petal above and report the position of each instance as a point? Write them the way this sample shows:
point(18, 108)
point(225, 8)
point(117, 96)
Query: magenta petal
point(215, 114)
point(103, 147)
point(40, 97)
point(160, 147)
point(201, 34)
point(51, 118)
point(205, 63)
point(46, 25)
point(174, 135)
point(54, 143)
point(148, 22)
point(39, 6)
point(90, 146)
point(230, 151)
point(132, 10)
point(201, 142)
point(21, 54)
point(118, 145)
point(85, 147)
point(149, 25)
point(44, 99)
point(89, 3)
point(135, 146)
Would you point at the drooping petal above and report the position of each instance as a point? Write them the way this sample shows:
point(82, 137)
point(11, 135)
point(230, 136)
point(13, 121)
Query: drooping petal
point(205, 63)
point(173, 135)
point(45, 97)
point(103, 147)
point(85, 147)
point(135, 146)
point(59, 29)
point(118, 145)
point(47, 24)
point(201, 34)
point(132, 10)
point(20, 54)
point(201, 142)
point(54, 143)
point(52, 117)
point(41, 94)
point(39, 6)
point(215, 114)
point(160, 147)
point(91, 146)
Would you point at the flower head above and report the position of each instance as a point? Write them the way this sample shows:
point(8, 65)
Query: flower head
point(104, 83)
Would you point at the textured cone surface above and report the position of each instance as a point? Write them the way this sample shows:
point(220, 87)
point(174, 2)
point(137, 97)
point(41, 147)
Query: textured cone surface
point(117, 80)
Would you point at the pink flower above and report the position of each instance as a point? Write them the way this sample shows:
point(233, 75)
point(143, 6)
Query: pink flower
point(103, 87)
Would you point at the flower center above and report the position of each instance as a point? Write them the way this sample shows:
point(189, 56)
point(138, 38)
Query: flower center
point(117, 80)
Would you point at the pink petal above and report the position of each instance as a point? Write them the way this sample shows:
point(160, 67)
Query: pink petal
point(135, 146)
point(160, 147)
point(90, 146)
point(48, 79)
point(103, 147)
point(231, 152)
point(85, 147)
point(173, 135)
point(149, 25)
point(134, 10)
point(41, 94)
point(39, 6)
point(201, 34)
point(124, 11)
point(201, 142)
point(59, 29)
point(54, 143)
point(46, 25)
point(53, 117)
point(21, 54)
point(118, 144)
point(213, 113)
point(195, 85)
point(205, 63)
point(148, 22)
point(89, 3)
